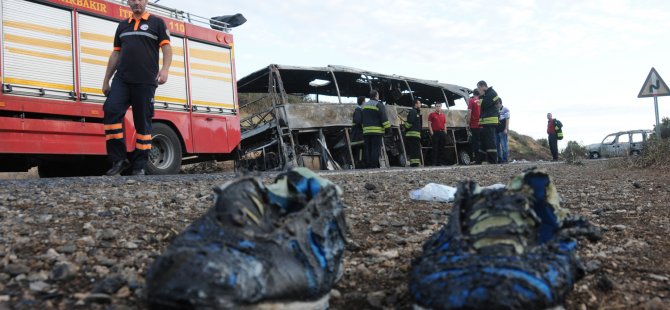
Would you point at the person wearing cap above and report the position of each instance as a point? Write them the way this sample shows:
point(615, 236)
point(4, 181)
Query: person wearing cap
point(438, 131)
point(488, 119)
point(134, 65)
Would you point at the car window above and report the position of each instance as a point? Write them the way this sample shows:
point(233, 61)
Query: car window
point(624, 138)
point(609, 139)
point(638, 137)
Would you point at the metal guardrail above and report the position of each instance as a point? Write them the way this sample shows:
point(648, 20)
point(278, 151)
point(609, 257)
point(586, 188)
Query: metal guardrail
point(180, 15)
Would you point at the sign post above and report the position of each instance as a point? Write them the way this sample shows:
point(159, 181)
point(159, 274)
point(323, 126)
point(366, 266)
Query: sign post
point(654, 86)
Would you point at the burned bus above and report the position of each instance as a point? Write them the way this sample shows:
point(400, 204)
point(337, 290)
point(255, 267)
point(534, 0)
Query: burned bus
point(302, 116)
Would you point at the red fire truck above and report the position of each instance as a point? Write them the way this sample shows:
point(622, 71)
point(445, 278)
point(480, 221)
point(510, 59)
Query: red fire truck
point(53, 61)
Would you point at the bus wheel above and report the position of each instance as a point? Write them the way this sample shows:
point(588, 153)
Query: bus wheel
point(464, 157)
point(165, 156)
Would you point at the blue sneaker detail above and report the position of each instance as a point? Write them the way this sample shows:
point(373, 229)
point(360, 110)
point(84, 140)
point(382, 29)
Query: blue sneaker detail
point(257, 246)
point(511, 248)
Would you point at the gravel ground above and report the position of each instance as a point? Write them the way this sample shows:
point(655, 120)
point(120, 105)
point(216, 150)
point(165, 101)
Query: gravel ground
point(87, 242)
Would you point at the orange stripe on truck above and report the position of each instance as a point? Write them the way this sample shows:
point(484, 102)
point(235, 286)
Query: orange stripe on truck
point(21, 51)
point(47, 85)
point(37, 42)
point(38, 28)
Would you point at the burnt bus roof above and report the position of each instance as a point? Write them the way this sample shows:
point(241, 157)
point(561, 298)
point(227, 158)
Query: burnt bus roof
point(353, 82)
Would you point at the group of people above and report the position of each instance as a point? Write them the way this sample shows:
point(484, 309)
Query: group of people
point(489, 122)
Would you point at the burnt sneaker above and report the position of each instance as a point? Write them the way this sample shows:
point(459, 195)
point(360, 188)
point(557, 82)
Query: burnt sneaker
point(274, 247)
point(511, 248)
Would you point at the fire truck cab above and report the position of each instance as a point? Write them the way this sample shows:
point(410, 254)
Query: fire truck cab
point(53, 59)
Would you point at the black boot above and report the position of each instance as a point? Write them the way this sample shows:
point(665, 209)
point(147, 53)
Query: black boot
point(118, 167)
point(138, 172)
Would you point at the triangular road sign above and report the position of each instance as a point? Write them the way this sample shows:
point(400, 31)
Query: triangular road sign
point(654, 86)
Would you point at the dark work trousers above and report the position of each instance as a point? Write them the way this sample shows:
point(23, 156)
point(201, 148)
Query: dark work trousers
point(553, 145)
point(488, 136)
point(122, 96)
point(439, 142)
point(373, 148)
point(413, 145)
point(358, 153)
point(475, 145)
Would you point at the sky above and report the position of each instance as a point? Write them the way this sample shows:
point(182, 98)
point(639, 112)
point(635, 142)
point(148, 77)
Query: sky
point(585, 61)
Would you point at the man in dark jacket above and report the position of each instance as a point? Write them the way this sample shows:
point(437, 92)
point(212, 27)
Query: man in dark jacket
point(555, 133)
point(375, 122)
point(488, 120)
point(413, 134)
point(357, 134)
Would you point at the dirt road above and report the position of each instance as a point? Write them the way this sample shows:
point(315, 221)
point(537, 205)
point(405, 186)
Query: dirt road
point(87, 242)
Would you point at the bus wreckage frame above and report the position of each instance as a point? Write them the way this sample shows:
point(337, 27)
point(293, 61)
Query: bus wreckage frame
point(284, 124)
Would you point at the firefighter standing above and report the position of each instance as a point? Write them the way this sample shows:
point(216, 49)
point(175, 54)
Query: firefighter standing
point(357, 134)
point(488, 120)
point(413, 134)
point(134, 65)
point(375, 122)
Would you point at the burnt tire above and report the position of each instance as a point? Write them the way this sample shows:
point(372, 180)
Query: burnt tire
point(464, 157)
point(594, 155)
point(166, 151)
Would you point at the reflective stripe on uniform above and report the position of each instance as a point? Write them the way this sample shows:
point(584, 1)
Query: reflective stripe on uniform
point(413, 134)
point(386, 124)
point(415, 161)
point(142, 147)
point(373, 129)
point(115, 136)
point(493, 120)
point(113, 126)
point(370, 107)
point(138, 33)
point(408, 125)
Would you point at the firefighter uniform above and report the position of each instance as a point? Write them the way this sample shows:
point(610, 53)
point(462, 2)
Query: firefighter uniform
point(375, 122)
point(134, 84)
point(357, 137)
point(488, 120)
point(413, 137)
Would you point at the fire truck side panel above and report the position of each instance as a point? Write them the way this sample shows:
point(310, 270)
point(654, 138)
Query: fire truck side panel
point(35, 136)
point(96, 37)
point(173, 93)
point(37, 57)
point(210, 69)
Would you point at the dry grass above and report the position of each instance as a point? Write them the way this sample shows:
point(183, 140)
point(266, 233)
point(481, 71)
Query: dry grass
point(655, 155)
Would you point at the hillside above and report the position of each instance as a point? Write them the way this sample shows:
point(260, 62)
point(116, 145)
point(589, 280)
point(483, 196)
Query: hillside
point(524, 147)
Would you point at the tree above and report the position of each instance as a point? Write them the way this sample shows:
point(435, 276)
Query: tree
point(665, 128)
point(574, 152)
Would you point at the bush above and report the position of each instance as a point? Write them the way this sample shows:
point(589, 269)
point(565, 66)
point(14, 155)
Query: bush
point(574, 152)
point(656, 154)
point(543, 142)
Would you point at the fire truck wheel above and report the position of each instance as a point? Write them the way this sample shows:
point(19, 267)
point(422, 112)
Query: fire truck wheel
point(165, 156)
